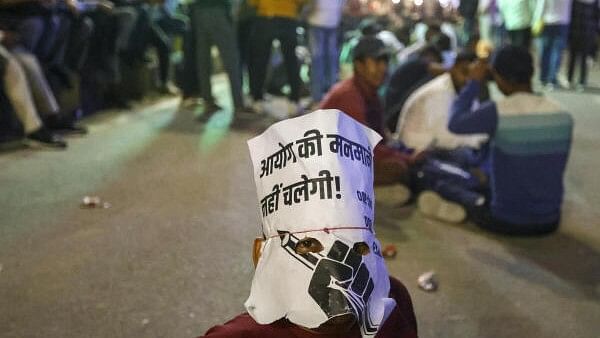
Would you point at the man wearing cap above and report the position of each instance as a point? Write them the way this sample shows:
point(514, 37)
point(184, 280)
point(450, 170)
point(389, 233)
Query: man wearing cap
point(530, 140)
point(319, 268)
point(357, 97)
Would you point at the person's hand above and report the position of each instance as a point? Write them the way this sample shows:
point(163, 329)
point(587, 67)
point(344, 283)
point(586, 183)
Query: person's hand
point(537, 28)
point(479, 71)
point(106, 6)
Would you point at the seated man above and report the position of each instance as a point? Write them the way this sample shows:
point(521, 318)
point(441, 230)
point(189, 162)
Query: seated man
point(23, 96)
point(319, 268)
point(530, 139)
point(407, 78)
point(357, 97)
point(423, 121)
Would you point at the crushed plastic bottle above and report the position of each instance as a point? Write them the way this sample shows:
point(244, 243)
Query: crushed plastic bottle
point(94, 202)
point(428, 282)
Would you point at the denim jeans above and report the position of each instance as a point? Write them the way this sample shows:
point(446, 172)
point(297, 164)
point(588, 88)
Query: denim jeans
point(553, 41)
point(325, 60)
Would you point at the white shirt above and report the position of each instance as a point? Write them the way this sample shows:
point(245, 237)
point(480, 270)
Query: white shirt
point(553, 12)
point(517, 14)
point(326, 13)
point(424, 118)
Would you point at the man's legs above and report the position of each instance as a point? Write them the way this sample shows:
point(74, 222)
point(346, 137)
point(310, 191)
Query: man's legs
point(17, 91)
point(547, 41)
point(319, 54)
point(557, 46)
point(333, 58)
point(45, 101)
point(289, 41)
point(583, 62)
point(31, 30)
point(228, 50)
point(260, 54)
point(204, 39)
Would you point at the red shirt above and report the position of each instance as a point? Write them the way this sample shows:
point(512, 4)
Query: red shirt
point(360, 101)
point(401, 323)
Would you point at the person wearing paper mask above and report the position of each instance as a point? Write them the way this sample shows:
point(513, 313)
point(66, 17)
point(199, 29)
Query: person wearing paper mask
point(319, 269)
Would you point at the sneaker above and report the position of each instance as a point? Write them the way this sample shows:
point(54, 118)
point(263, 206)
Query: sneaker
point(434, 206)
point(392, 195)
point(258, 106)
point(168, 89)
point(45, 137)
point(189, 103)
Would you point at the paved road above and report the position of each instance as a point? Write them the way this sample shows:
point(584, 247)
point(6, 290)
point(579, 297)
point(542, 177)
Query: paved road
point(171, 256)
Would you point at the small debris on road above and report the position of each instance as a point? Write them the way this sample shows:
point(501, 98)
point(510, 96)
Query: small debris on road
point(389, 251)
point(94, 202)
point(428, 282)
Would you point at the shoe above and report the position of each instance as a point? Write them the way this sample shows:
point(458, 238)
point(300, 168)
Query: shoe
point(434, 206)
point(392, 195)
point(245, 113)
point(207, 111)
point(189, 103)
point(73, 129)
point(168, 89)
point(258, 106)
point(65, 126)
point(45, 137)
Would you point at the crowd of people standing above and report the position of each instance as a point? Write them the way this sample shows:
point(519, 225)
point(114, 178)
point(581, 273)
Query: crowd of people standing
point(408, 77)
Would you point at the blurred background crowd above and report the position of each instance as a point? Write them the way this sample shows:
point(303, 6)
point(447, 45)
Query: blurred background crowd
point(61, 60)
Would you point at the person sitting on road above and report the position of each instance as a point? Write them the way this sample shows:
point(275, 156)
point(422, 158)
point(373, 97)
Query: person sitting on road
point(357, 97)
point(530, 140)
point(319, 267)
point(423, 121)
point(29, 94)
point(407, 78)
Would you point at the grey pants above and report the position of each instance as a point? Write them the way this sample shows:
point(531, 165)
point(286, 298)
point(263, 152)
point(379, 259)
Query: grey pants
point(214, 27)
point(27, 89)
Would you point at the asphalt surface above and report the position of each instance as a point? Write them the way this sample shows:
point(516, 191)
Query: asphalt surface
point(171, 255)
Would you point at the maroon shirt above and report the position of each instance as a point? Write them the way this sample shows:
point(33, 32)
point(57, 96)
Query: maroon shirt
point(401, 323)
point(360, 101)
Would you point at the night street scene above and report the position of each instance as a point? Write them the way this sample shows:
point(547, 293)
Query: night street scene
point(299, 168)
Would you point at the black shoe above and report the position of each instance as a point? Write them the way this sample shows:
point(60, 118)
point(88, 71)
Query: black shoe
point(73, 129)
point(45, 137)
point(65, 125)
point(208, 111)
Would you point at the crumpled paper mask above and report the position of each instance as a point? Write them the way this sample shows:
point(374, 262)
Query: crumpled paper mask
point(314, 178)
